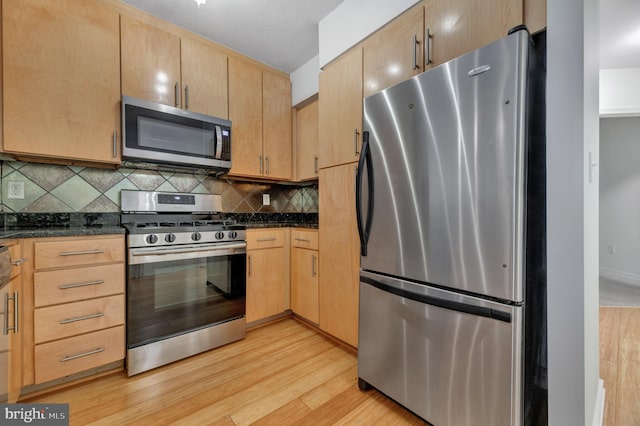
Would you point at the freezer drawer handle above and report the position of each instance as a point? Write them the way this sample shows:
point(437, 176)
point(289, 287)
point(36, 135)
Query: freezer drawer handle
point(441, 303)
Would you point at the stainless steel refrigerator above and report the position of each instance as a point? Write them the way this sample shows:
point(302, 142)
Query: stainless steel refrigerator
point(451, 212)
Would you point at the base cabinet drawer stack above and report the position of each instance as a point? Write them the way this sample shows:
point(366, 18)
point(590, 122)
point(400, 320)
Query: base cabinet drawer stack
point(79, 305)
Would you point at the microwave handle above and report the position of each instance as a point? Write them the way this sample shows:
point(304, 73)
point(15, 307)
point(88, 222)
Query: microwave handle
point(218, 142)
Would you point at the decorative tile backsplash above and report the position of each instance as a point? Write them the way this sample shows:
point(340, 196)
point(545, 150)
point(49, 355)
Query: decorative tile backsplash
point(53, 188)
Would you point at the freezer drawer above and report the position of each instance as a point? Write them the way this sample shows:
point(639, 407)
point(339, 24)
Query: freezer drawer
point(456, 361)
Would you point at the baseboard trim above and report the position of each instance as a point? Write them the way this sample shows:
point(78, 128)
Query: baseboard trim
point(598, 414)
point(621, 276)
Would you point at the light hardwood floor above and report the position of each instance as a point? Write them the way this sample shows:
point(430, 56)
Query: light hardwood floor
point(620, 364)
point(282, 373)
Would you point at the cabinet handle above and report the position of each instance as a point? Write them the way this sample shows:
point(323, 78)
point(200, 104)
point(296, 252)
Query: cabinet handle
point(266, 169)
point(355, 141)
point(250, 264)
point(427, 46)
point(76, 253)
point(16, 305)
point(313, 265)
point(260, 164)
point(19, 262)
point(177, 94)
point(315, 164)
point(416, 43)
point(71, 357)
point(186, 96)
point(88, 283)
point(261, 240)
point(303, 239)
point(115, 143)
point(86, 317)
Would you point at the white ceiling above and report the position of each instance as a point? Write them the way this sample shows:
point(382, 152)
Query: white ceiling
point(619, 34)
point(284, 33)
point(280, 33)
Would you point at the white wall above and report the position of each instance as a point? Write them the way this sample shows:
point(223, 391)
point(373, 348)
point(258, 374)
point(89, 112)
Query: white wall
point(353, 21)
point(572, 216)
point(304, 81)
point(620, 92)
point(620, 198)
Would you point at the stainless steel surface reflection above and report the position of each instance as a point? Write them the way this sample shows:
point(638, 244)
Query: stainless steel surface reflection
point(448, 153)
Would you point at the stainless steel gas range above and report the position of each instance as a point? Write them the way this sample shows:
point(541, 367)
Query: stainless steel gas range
point(186, 277)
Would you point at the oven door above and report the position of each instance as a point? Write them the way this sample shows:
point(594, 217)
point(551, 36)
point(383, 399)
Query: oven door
point(171, 291)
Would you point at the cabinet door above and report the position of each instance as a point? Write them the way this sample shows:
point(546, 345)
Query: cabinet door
point(339, 249)
point(150, 62)
point(61, 79)
point(15, 348)
point(304, 283)
point(265, 283)
point(307, 142)
point(394, 53)
point(276, 118)
point(245, 112)
point(535, 15)
point(204, 78)
point(340, 110)
point(460, 26)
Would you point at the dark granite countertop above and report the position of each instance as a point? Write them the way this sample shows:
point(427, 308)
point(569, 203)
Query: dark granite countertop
point(60, 232)
point(39, 225)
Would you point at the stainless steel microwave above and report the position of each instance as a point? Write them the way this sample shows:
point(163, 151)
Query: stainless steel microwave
point(162, 134)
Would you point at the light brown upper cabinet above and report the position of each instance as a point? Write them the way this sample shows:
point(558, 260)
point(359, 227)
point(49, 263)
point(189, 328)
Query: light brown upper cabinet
point(456, 27)
point(61, 80)
point(340, 110)
point(162, 67)
point(395, 52)
point(307, 142)
point(260, 110)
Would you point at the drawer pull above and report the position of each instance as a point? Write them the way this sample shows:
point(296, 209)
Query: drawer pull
point(262, 240)
point(72, 357)
point(66, 286)
point(86, 317)
point(75, 253)
point(303, 239)
point(19, 262)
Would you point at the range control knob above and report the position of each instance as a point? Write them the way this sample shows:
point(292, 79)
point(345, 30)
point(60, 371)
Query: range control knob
point(169, 238)
point(219, 235)
point(233, 235)
point(196, 236)
point(152, 239)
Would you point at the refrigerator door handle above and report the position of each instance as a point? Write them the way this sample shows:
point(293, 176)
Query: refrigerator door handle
point(441, 303)
point(365, 158)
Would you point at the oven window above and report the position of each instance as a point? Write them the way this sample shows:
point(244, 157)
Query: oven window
point(165, 299)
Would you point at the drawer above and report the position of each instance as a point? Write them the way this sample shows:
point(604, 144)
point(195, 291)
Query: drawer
point(75, 354)
point(70, 319)
point(265, 238)
point(80, 252)
point(70, 285)
point(304, 239)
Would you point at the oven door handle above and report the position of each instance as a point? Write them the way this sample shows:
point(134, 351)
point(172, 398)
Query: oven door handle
point(160, 254)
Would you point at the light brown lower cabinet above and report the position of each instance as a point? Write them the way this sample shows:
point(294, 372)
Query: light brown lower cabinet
point(340, 251)
point(267, 273)
point(304, 273)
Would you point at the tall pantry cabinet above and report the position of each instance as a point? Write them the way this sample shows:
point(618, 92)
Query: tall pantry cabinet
point(340, 122)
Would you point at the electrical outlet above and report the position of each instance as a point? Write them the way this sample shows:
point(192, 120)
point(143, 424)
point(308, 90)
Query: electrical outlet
point(266, 199)
point(15, 189)
point(611, 249)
